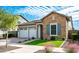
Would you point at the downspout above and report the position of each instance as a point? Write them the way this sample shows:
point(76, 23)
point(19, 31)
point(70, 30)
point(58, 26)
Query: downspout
point(37, 31)
point(71, 23)
point(28, 33)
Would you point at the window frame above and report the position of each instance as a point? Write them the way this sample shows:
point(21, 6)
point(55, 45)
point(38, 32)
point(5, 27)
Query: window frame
point(56, 29)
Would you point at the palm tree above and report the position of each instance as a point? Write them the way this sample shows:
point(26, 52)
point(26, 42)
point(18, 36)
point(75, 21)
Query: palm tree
point(7, 22)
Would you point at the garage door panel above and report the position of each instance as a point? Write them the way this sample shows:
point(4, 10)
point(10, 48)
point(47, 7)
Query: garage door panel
point(32, 32)
point(23, 33)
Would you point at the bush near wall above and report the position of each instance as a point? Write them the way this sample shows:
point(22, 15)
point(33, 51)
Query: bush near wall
point(55, 38)
point(73, 34)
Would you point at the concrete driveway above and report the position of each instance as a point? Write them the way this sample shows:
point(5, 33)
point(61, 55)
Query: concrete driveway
point(11, 41)
point(23, 48)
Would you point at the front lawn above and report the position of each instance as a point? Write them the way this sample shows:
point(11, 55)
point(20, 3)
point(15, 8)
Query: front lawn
point(56, 43)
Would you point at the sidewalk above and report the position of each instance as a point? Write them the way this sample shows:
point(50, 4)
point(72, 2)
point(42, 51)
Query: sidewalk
point(25, 49)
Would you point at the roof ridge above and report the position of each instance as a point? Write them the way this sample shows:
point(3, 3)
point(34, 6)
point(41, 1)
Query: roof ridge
point(53, 12)
point(23, 18)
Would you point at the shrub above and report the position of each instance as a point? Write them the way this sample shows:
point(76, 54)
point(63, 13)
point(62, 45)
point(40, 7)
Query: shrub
point(63, 38)
point(74, 35)
point(52, 37)
point(33, 37)
point(72, 48)
point(55, 37)
point(19, 42)
point(25, 40)
point(48, 48)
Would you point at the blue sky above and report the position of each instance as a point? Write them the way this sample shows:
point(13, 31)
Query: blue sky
point(38, 12)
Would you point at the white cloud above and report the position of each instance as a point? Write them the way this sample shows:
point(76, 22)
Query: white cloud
point(40, 12)
point(69, 10)
point(33, 11)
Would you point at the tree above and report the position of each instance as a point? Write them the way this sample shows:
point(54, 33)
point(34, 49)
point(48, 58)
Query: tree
point(7, 22)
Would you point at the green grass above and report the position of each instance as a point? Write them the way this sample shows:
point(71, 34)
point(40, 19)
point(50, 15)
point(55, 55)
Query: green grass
point(56, 43)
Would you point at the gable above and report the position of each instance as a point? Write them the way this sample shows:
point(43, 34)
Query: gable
point(56, 14)
point(54, 18)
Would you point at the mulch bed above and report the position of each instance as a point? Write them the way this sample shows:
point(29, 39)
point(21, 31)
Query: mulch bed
point(4, 49)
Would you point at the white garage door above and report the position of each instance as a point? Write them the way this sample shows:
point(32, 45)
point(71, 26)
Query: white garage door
point(23, 34)
point(32, 32)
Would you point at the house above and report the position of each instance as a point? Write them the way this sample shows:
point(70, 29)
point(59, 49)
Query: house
point(22, 19)
point(1, 32)
point(13, 32)
point(52, 25)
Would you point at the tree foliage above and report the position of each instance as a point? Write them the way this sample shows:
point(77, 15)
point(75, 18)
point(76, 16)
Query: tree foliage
point(7, 20)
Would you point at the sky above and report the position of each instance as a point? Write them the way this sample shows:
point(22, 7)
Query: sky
point(38, 12)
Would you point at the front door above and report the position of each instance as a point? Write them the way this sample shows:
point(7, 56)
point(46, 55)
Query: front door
point(39, 32)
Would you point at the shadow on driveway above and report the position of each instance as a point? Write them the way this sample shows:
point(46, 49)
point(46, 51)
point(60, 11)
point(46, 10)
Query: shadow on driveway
point(4, 49)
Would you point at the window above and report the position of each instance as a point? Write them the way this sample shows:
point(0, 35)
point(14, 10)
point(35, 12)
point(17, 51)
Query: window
point(53, 29)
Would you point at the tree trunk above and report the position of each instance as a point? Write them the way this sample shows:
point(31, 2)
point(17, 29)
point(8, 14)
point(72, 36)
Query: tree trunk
point(7, 40)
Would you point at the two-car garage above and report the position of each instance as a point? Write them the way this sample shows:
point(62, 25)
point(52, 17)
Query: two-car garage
point(27, 32)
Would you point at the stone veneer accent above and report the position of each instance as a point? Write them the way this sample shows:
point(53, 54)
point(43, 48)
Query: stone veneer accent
point(58, 19)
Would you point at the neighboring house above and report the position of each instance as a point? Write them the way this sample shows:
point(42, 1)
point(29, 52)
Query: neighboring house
point(1, 34)
point(53, 24)
point(20, 21)
point(14, 32)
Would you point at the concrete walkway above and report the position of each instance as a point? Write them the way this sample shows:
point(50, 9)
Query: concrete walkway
point(32, 49)
point(25, 49)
